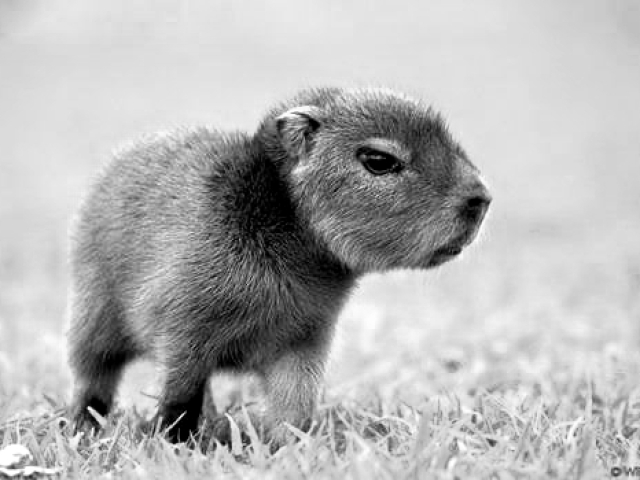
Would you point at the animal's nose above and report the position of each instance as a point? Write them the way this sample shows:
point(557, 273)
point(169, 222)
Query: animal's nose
point(475, 205)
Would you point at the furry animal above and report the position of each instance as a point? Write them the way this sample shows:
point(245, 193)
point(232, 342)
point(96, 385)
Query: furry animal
point(210, 251)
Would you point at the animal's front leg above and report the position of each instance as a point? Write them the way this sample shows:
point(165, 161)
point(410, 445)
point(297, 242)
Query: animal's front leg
point(292, 385)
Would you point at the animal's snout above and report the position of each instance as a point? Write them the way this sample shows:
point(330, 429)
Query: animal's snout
point(475, 204)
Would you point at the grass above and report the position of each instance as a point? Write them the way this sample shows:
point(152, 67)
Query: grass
point(496, 366)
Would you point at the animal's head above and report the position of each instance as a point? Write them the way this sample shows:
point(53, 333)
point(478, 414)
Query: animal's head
point(380, 178)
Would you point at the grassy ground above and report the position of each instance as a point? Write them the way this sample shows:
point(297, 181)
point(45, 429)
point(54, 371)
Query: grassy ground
point(513, 362)
point(521, 360)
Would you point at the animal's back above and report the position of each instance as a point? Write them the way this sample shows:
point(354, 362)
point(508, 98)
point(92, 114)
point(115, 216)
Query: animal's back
point(153, 199)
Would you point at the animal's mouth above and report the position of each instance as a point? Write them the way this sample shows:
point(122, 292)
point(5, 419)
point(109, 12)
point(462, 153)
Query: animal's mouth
point(453, 248)
point(444, 254)
point(450, 250)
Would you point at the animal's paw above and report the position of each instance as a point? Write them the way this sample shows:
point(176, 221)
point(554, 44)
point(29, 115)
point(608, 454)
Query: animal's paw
point(86, 420)
point(230, 430)
point(279, 436)
point(241, 428)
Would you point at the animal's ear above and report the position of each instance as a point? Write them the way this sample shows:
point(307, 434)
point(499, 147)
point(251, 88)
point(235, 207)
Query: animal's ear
point(296, 128)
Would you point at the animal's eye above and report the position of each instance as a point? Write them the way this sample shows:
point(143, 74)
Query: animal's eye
point(377, 162)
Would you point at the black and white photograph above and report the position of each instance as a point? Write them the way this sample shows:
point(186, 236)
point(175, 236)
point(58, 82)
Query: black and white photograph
point(319, 240)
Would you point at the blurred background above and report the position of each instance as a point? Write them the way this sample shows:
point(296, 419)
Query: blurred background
point(544, 96)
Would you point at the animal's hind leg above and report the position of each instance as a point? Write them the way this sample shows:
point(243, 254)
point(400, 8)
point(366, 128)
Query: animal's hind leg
point(181, 402)
point(99, 349)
